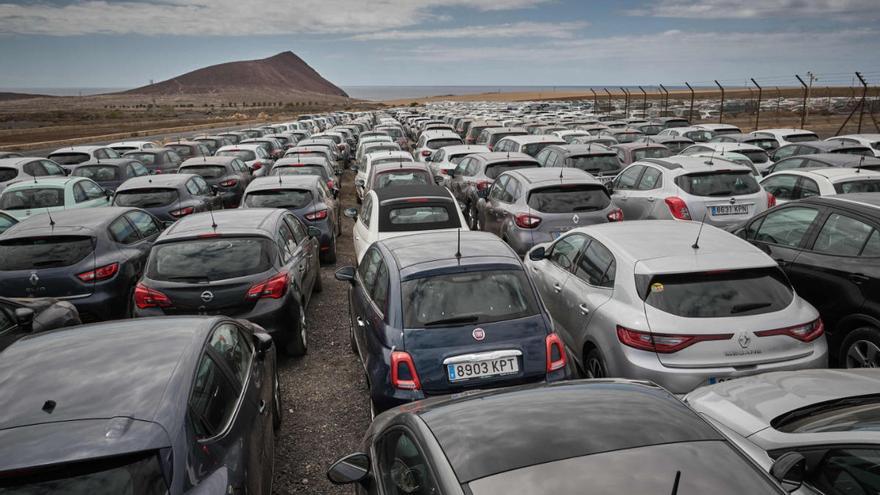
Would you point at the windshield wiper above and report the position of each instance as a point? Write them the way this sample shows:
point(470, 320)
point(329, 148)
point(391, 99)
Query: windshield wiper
point(454, 319)
point(585, 208)
point(188, 279)
point(47, 262)
point(740, 308)
point(721, 193)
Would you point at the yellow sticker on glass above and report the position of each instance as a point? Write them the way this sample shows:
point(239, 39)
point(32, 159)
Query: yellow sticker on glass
point(657, 287)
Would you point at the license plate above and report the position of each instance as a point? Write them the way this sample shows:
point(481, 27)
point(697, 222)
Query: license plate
point(482, 369)
point(729, 210)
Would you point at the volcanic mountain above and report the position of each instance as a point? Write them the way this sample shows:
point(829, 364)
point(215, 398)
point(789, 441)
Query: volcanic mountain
point(284, 75)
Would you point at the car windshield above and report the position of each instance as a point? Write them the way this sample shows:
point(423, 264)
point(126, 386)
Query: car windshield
point(402, 178)
point(7, 174)
point(569, 198)
point(137, 474)
point(278, 198)
point(493, 170)
point(243, 155)
point(848, 414)
point(799, 138)
point(857, 186)
point(717, 293)
point(145, 198)
point(218, 258)
point(43, 252)
point(206, 171)
point(97, 173)
point(302, 170)
point(721, 183)
point(184, 150)
point(145, 158)
point(651, 153)
point(25, 199)
point(595, 163)
point(486, 296)
point(535, 148)
point(69, 158)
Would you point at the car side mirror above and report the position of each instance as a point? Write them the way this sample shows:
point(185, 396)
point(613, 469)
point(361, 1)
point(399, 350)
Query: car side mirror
point(360, 182)
point(314, 231)
point(353, 468)
point(263, 344)
point(789, 470)
point(428, 158)
point(609, 187)
point(538, 254)
point(25, 319)
point(354, 168)
point(451, 172)
point(351, 213)
point(438, 179)
point(108, 194)
point(345, 274)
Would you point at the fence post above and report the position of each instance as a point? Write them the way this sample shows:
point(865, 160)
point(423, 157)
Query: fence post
point(758, 107)
point(721, 108)
point(595, 101)
point(626, 102)
point(804, 107)
point(691, 112)
point(644, 101)
point(864, 100)
point(609, 100)
point(665, 102)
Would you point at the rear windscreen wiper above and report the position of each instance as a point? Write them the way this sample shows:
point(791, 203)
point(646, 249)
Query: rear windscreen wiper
point(48, 262)
point(453, 320)
point(188, 279)
point(740, 308)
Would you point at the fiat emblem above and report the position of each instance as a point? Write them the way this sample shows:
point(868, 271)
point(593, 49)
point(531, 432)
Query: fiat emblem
point(575, 218)
point(479, 334)
point(207, 296)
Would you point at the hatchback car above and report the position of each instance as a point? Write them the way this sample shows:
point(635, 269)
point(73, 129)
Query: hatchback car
point(159, 406)
point(756, 154)
point(695, 134)
point(870, 140)
point(158, 160)
point(530, 145)
point(109, 174)
point(168, 197)
point(765, 142)
point(825, 160)
point(689, 188)
point(720, 129)
point(786, 136)
point(257, 264)
point(253, 155)
point(534, 205)
point(20, 317)
point(308, 165)
point(797, 184)
point(402, 174)
point(227, 175)
point(74, 155)
point(434, 140)
point(652, 301)
point(816, 147)
point(623, 135)
point(474, 175)
point(50, 194)
point(448, 157)
point(562, 438)
point(458, 316)
point(93, 261)
point(24, 168)
point(628, 153)
point(213, 143)
point(371, 158)
point(598, 160)
point(674, 143)
point(188, 149)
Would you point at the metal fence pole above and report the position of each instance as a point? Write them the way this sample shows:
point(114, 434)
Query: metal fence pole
point(804, 107)
point(864, 99)
point(721, 109)
point(595, 101)
point(691, 112)
point(609, 100)
point(758, 107)
point(626, 102)
point(644, 101)
point(665, 102)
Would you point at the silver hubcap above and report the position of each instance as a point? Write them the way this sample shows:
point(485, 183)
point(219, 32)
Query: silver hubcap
point(595, 369)
point(863, 354)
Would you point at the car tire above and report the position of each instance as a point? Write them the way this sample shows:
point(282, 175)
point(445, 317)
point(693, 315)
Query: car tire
point(277, 411)
point(861, 349)
point(594, 365)
point(329, 257)
point(351, 339)
point(319, 283)
point(297, 342)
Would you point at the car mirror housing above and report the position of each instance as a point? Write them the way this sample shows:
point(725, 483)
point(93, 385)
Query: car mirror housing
point(263, 343)
point(353, 468)
point(314, 231)
point(789, 470)
point(25, 319)
point(438, 179)
point(351, 213)
point(345, 274)
point(538, 254)
point(354, 168)
point(360, 182)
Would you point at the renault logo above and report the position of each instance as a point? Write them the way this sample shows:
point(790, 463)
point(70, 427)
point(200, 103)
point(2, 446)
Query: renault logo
point(207, 296)
point(744, 340)
point(34, 279)
point(575, 218)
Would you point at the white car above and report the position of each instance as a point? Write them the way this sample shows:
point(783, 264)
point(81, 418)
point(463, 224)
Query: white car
point(123, 146)
point(447, 157)
point(370, 138)
point(793, 184)
point(74, 155)
point(253, 155)
point(694, 133)
point(720, 129)
point(786, 136)
point(530, 145)
point(434, 140)
point(396, 211)
point(22, 168)
point(570, 135)
point(375, 158)
point(756, 154)
point(870, 140)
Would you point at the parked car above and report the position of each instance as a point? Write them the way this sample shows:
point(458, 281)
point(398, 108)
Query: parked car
point(647, 128)
point(257, 264)
point(307, 197)
point(816, 147)
point(308, 165)
point(651, 301)
point(10, 154)
point(623, 134)
point(606, 141)
point(825, 160)
point(19, 169)
point(670, 122)
point(695, 134)
point(51, 194)
point(827, 417)
point(599, 161)
point(528, 206)
point(74, 155)
point(124, 146)
point(253, 155)
point(91, 260)
point(756, 154)
point(168, 197)
point(786, 136)
point(475, 174)
point(765, 142)
point(228, 176)
point(491, 135)
point(674, 143)
point(804, 183)
point(371, 158)
point(273, 148)
point(530, 145)
point(447, 445)
point(398, 174)
point(21, 317)
point(459, 316)
point(170, 405)
point(870, 140)
point(158, 160)
point(213, 143)
point(448, 157)
point(630, 152)
point(720, 129)
point(234, 136)
point(476, 128)
point(434, 140)
point(188, 149)
point(109, 174)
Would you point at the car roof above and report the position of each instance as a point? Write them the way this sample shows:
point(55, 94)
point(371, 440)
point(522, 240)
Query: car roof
point(582, 149)
point(439, 134)
point(731, 146)
point(833, 174)
point(305, 160)
point(717, 126)
point(638, 145)
point(691, 164)
point(240, 146)
point(66, 222)
point(536, 138)
point(159, 180)
point(503, 156)
point(840, 159)
point(77, 149)
point(244, 221)
point(153, 151)
point(411, 165)
point(116, 162)
point(871, 201)
point(209, 160)
point(283, 181)
point(541, 176)
point(475, 247)
point(487, 432)
point(457, 149)
point(828, 145)
point(866, 136)
point(51, 181)
point(18, 161)
point(409, 191)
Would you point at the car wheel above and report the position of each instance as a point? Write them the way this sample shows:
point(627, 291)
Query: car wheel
point(351, 339)
point(297, 343)
point(277, 413)
point(319, 283)
point(861, 349)
point(329, 257)
point(594, 365)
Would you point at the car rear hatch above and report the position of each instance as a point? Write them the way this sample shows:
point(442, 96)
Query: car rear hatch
point(47, 265)
point(723, 196)
point(213, 174)
point(566, 206)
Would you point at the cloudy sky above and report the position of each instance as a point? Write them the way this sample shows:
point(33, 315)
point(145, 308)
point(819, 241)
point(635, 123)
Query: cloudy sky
point(95, 43)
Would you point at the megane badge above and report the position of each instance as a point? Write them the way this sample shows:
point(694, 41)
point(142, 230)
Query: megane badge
point(744, 340)
point(575, 218)
point(479, 334)
point(207, 296)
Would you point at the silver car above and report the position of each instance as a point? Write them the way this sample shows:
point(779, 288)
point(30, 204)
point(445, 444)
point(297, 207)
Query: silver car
point(829, 417)
point(533, 205)
point(689, 188)
point(638, 300)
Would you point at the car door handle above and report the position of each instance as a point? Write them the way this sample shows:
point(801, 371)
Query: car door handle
point(557, 288)
point(361, 323)
point(262, 408)
point(858, 278)
point(584, 309)
point(781, 262)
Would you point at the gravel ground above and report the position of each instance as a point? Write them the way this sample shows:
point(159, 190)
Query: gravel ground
point(324, 394)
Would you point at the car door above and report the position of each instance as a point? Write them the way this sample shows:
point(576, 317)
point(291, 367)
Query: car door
point(149, 229)
point(554, 272)
point(783, 231)
point(294, 259)
point(310, 248)
point(493, 206)
point(643, 198)
point(458, 180)
point(363, 313)
point(362, 227)
point(495, 194)
point(504, 211)
point(401, 467)
point(624, 185)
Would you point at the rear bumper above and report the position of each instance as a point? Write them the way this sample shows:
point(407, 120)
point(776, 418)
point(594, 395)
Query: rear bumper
point(276, 316)
point(106, 303)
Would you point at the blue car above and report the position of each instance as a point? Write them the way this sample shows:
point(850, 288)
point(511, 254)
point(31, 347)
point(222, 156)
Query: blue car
point(458, 316)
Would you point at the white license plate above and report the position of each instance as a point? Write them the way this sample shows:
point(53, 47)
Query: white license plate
point(722, 210)
point(482, 369)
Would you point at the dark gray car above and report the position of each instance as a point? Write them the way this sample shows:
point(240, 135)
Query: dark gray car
point(158, 161)
point(109, 174)
point(674, 143)
point(168, 196)
point(597, 160)
point(20, 317)
point(475, 174)
point(228, 175)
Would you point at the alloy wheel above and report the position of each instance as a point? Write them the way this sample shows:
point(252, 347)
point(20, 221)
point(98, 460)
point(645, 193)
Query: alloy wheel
point(863, 354)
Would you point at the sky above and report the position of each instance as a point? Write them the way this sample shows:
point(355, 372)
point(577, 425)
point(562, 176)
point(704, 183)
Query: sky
point(123, 44)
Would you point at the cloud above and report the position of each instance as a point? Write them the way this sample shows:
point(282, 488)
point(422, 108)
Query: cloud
point(230, 17)
point(749, 9)
point(511, 30)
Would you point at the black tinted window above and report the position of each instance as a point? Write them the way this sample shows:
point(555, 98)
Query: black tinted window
point(213, 398)
point(286, 198)
point(43, 252)
point(569, 199)
point(206, 171)
point(7, 174)
point(402, 178)
point(245, 155)
point(145, 198)
point(145, 158)
point(69, 158)
point(493, 170)
point(210, 259)
point(718, 183)
point(595, 163)
point(123, 231)
point(596, 265)
point(136, 474)
point(302, 170)
point(25, 199)
point(436, 144)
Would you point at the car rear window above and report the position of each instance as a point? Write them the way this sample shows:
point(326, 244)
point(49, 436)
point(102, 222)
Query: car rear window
point(857, 186)
point(243, 155)
point(69, 158)
point(799, 138)
point(217, 258)
point(721, 183)
point(278, 198)
point(97, 173)
point(535, 148)
point(185, 151)
point(206, 171)
point(145, 158)
point(402, 178)
point(651, 153)
point(485, 296)
point(595, 163)
point(302, 170)
point(7, 174)
point(763, 143)
point(145, 198)
point(493, 170)
point(855, 151)
point(849, 414)
point(569, 198)
point(698, 136)
point(717, 294)
point(44, 252)
point(415, 215)
point(24, 199)
point(756, 156)
point(378, 161)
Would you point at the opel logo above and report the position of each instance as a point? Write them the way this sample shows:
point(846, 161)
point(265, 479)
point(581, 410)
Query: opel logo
point(479, 334)
point(207, 296)
point(733, 201)
point(575, 218)
point(744, 340)
point(34, 279)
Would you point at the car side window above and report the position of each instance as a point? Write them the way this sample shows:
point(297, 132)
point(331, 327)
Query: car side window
point(123, 231)
point(403, 469)
point(79, 194)
point(786, 227)
point(34, 169)
point(213, 398)
point(542, 157)
point(553, 159)
point(781, 186)
point(286, 242)
point(379, 293)
point(366, 211)
point(368, 269)
point(6, 321)
point(145, 224)
point(101, 154)
point(628, 178)
point(497, 191)
point(785, 152)
point(651, 179)
point(92, 190)
point(174, 157)
point(192, 187)
point(299, 232)
point(461, 168)
point(808, 188)
point(473, 168)
point(233, 348)
point(842, 236)
point(564, 252)
point(202, 186)
point(52, 168)
point(511, 191)
point(596, 265)
point(848, 471)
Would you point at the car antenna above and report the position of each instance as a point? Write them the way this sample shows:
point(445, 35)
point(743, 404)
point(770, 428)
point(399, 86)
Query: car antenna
point(675, 483)
point(213, 223)
point(51, 220)
point(859, 166)
point(458, 246)
point(711, 157)
point(696, 244)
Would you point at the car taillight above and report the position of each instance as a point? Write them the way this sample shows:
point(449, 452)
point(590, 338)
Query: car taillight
point(771, 200)
point(663, 343)
point(273, 288)
point(100, 273)
point(145, 297)
point(331, 184)
point(340, 147)
point(555, 353)
point(678, 208)
point(403, 372)
point(807, 332)
point(483, 185)
point(182, 212)
point(426, 153)
point(257, 166)
point(526, 221)
point(229, 183)
point(317, 215)
point(615, 215)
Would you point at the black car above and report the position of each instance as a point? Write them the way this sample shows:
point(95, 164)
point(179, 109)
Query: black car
point(591, 436)
point(157, 160)
point(93, 261)
point(168, 196)
point(825, 160)
point(22, 317)
point(109, 174)
point(260, 264)
point(829, 246)
point(460, 315)
point(213, 143)
point(228, 175)
point(674, 143)
point(148, 407)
